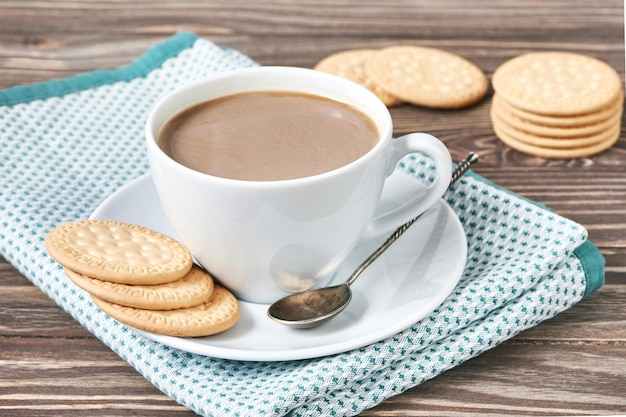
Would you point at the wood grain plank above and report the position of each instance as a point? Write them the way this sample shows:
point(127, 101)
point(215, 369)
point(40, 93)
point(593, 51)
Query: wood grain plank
point(72, 373)
point(298, 34)
point(519, 379)
point(573, 364)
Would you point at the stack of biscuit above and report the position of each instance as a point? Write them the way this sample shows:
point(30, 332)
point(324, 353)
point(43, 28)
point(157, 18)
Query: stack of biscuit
point(142, 278)
point(557, 104)
point(427, 77)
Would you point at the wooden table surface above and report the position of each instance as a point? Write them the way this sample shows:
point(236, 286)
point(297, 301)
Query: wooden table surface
point(574, 364)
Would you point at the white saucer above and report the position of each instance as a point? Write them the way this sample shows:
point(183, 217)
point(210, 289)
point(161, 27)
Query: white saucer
point(412, 278)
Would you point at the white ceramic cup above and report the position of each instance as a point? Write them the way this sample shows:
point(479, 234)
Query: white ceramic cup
point(266, 239)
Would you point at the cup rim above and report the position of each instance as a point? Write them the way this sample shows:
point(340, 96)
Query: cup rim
point(382, 119)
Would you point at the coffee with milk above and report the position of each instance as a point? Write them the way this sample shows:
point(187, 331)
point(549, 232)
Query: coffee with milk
point(268, 136)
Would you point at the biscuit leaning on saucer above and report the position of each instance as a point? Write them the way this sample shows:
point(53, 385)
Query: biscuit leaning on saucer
point(217, 314)
point(192, 289)
point(118, 252)
point(142, 278)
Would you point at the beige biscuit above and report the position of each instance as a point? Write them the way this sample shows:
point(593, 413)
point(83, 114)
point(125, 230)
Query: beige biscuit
point(555, 153)
point(550, 142)
point(574, 120)
point(118, 252)
point(191, 290)
point(557, 83)
point(217, 314)
point(427, 76)
point(350, 64)
point(577, 136)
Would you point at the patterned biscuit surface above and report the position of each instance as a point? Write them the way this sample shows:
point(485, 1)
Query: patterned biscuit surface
point(350, 64)
point(557, 83)
point(217, 314)
point(118, 252)
point(427, 76)
point(192, 289)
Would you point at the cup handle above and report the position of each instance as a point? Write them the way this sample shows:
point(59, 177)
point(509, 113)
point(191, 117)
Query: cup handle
point(402, 146)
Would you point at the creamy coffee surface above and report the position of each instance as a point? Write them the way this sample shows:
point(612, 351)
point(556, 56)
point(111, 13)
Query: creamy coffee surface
point(268, 136)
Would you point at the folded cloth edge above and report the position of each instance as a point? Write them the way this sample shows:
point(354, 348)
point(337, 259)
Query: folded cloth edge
point(593, 263)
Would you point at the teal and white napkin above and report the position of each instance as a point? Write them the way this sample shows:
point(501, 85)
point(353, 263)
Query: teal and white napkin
point(67, 144)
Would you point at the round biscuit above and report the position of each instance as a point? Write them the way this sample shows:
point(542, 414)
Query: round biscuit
point(427, 76)
point(557, 83)
point(350, 64)
point(555, 153)
point(118, 252)
point(191, 290)
point(574, 133)
point(217, 314)
point(573, 120)
point(551, 142)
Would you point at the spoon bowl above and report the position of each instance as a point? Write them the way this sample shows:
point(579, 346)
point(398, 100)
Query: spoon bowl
point(312, 308)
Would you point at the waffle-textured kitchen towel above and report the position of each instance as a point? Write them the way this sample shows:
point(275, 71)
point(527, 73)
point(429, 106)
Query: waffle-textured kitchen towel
point(67, 144)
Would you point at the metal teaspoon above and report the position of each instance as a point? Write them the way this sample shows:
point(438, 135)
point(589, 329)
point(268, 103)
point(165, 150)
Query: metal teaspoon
point(313, 307)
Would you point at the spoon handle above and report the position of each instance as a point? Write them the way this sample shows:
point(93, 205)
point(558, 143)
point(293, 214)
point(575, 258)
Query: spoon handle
point(458, 172)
